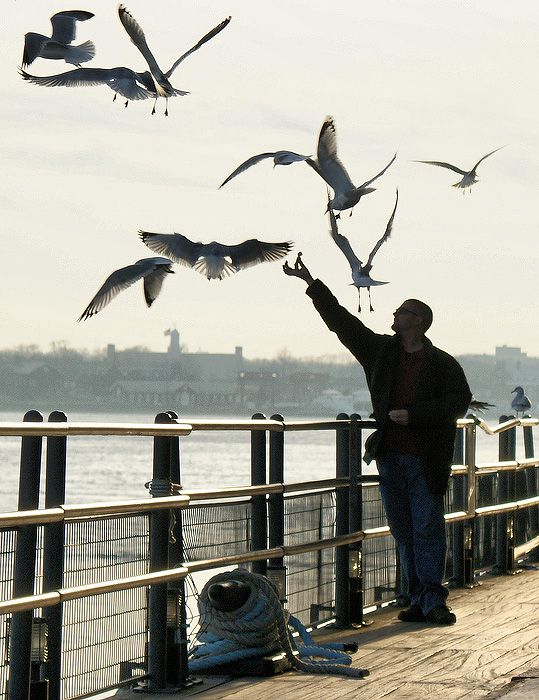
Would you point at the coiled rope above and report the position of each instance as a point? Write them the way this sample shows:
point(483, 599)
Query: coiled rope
point(260, 626)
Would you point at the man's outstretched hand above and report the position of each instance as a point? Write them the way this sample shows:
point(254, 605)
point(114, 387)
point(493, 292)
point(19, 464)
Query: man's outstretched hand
point(299, 270)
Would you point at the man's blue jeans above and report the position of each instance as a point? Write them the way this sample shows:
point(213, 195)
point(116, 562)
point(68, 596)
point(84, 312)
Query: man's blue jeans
point(416, 519)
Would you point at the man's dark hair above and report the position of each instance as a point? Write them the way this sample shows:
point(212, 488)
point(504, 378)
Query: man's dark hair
point(423, 310)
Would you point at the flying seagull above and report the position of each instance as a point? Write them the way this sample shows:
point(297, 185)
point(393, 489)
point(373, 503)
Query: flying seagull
point(361, 273)
point(163, 87)
point(327, 164)
point(123, 81)
point(58, 46)
point(152, 270)
point(279, 158)
point(521, 402)
point(479, 405)
point(214, 260)
point(469, 176)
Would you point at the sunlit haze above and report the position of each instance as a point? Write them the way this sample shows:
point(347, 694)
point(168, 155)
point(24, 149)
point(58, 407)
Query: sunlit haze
point(428, 79)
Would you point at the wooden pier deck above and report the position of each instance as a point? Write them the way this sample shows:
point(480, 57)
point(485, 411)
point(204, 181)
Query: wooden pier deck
point(492, 651)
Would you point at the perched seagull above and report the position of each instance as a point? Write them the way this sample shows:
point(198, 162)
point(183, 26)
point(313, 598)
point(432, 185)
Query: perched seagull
point(59, 46)
point(123, 81)
point(360, 273)
point(469, 176)
point(521, 402)
point(214, 260)
point(151, 270)
point(279, 158)
point(327, 164)
point(163, 87)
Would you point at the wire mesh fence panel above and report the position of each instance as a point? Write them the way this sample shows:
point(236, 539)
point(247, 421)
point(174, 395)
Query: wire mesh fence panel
point(104, 636)
point(310, 576)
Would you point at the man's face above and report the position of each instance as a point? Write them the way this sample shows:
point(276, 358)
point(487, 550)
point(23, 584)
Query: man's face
point(404, 318)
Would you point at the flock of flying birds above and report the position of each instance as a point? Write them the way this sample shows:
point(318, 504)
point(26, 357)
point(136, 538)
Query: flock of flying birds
point(214, 260)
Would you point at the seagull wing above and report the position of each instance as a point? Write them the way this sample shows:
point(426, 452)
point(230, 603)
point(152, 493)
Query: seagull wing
point(153, 281)
point(125, 277)
point(63, 24)
point(33, 44)
point(136, 35)
point(84, 76)
point(174, 246)
point(253, 160)
point(483, 158)
point(205, 38)
point(343, 243)
point(253, 251)
point(379, 174)
point(443, 165)
point(384, 238)
point(330, 167)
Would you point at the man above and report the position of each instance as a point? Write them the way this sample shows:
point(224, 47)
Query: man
point(418, 392)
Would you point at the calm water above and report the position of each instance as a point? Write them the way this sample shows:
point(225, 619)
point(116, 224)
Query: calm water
point(116, 468)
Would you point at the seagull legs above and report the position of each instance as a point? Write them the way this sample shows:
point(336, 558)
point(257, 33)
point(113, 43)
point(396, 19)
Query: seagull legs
point(370, 302)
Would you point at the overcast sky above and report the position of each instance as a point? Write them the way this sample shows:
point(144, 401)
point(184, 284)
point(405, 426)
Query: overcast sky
point(429, 79)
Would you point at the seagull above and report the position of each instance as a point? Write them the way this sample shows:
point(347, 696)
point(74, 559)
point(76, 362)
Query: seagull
point(480, 406)
point(163, 87)
point(59, 46)
point(214, 260)
point(360, 273)
point(521, 402)
point(329, 167)
point(469, 176)
point(151, 270)
point(279, 158)
point(123, 81)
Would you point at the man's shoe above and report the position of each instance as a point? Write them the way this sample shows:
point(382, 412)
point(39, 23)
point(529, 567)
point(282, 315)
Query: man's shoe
point(441, 615)
point(412, 614)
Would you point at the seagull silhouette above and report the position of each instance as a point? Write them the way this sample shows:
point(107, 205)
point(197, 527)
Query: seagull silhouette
point(469, 176)
point(214, 260)
point(163, 87)
point(152, 270)
point(479, 405)
point(123, 81)
point(329, 167)
point(279, 158)
point(58, 46)
point(361, 273)
point(521, 402)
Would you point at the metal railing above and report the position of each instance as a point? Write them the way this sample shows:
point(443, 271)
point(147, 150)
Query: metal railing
point(325, 542)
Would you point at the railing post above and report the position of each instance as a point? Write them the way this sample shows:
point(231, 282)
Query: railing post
point(505, 521)
point(459, 504)
point(259, 524)
point(355, 551)
point(20, 633)
point(469, 526)
point(532, 473)
point(177, 640)
point(276, 571)
point(53, 550)
point(159, 531)
point(342, 501)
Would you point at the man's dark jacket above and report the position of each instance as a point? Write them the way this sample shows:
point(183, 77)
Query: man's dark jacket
point(442, 392)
